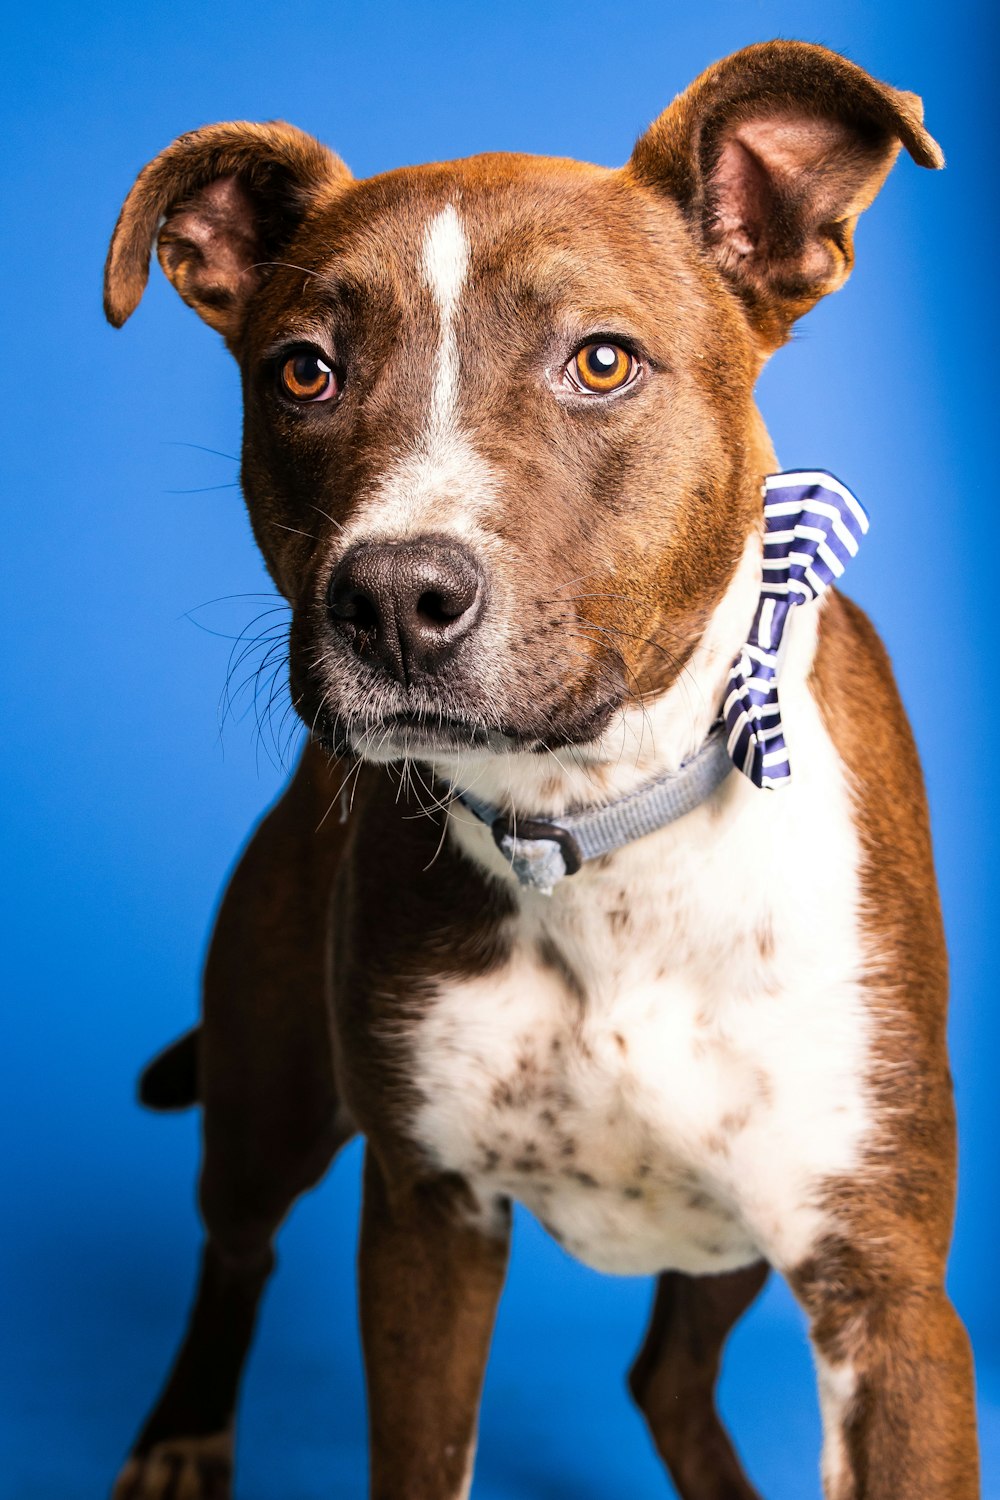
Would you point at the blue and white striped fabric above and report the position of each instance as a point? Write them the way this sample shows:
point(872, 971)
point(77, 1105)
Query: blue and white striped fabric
point(812, 528)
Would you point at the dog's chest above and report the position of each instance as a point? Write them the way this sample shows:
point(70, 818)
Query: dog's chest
point(673, 1058)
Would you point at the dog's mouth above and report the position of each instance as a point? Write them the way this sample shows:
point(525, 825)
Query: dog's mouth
point(422, 734)
point(415, 733)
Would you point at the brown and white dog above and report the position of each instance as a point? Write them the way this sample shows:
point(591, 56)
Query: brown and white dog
point(524, 568)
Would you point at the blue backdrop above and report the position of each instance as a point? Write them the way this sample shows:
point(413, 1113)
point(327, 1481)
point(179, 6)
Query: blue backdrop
point(124, 806)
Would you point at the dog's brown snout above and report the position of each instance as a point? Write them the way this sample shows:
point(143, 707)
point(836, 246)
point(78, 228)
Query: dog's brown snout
point(405, 606)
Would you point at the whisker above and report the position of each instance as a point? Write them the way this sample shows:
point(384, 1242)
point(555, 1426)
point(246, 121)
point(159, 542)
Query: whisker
point(440, 845)
point(326, 515)
point(578, 579)
point(353, 771)
point(205, 489)
point(294, 529)
point(627, 598)
point(200, 448)
point(223, 635)
point(289, 265)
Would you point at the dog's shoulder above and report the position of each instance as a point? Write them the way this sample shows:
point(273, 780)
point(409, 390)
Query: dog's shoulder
point(854, 687)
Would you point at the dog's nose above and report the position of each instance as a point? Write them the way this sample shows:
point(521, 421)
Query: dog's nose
point(405, 606)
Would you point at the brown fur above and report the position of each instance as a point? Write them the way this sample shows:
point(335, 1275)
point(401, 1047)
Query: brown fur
point(673, 1379)
point(876, 1299)
point(734, 216)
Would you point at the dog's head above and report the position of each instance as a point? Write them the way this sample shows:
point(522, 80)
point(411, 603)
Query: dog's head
point(500, 449)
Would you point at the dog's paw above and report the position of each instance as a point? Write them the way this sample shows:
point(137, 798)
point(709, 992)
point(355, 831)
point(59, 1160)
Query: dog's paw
point(197, 1468)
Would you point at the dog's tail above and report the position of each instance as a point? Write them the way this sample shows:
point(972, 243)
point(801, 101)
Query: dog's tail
point(170, 1081)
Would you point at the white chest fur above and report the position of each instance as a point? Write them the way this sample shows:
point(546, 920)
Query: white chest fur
point(673, 1062)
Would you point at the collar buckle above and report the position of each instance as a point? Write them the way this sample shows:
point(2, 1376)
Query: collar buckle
point(540, 853)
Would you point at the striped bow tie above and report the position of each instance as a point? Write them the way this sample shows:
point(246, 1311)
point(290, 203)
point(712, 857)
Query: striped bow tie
point(812, 527)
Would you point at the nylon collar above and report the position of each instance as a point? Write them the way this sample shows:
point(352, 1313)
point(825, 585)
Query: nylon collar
point(543, 851)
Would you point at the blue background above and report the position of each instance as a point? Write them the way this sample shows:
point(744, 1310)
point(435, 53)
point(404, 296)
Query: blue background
point(124, 806)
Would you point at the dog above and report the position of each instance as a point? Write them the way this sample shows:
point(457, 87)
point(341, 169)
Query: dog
point(664, 959)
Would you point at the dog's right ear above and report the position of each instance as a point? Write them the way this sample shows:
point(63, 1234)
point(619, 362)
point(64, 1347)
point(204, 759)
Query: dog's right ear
point(221, 203)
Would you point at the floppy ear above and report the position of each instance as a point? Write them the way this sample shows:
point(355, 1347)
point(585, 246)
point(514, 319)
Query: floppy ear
point(220, 203)
point(772, 154)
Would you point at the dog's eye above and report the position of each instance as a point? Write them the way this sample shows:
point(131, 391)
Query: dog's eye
point(305, 376)
point(599, 368)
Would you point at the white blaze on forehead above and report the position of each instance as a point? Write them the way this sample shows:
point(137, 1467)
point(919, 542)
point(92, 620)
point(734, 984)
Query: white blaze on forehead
point(446, 259)
point(442, 484)
point(445, 264)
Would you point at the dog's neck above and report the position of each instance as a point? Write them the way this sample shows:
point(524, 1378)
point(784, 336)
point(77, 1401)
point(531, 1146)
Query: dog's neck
point(645, 739)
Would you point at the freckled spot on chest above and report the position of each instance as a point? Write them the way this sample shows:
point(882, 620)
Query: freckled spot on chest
point(765, 939)
point(563, 1119)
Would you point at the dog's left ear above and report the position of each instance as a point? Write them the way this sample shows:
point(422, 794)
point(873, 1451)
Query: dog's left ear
point(772, 154)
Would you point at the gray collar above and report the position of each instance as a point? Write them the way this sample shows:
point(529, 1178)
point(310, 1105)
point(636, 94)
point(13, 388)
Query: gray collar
point(542, 851)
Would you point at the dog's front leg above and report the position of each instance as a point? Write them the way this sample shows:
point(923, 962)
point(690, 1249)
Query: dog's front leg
point(432, 1266)
point(895, 1384)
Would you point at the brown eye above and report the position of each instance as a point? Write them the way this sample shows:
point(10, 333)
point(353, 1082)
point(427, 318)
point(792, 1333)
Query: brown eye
point(307, 377)
point(600, 368)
